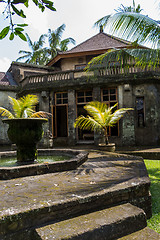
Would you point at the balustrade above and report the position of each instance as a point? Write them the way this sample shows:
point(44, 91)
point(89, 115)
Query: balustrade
point(71, 75)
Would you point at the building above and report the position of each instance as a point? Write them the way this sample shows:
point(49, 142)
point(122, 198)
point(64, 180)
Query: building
point(64, 88)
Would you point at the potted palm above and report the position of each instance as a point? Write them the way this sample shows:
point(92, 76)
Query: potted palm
point(100, 118)
point(25, 126)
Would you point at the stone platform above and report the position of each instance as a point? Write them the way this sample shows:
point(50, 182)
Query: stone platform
point(103, 181)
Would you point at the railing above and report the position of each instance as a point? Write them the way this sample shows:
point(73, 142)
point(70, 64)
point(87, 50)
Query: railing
point(74, 74)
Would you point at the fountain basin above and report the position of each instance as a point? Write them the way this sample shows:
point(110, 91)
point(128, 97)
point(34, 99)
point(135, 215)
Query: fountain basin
point(76, 159)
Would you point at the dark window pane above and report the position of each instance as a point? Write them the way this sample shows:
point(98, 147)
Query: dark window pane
point(65, 95)
point(112, 91)
point(105, 98)
point(112, 97)
point(65, 101)
point(59, 101)
point(80, 94)
point(58, 95)
point(80, 100)
point(88, 99)
point(89, 93)
point(105, 92)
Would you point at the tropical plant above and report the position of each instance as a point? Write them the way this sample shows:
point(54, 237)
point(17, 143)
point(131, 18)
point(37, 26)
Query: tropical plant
point(129, 24)
point(10, 10)
point(122, 9)
point(100, 117)
point(23, 108)
point(55, 42)
point(36, 55)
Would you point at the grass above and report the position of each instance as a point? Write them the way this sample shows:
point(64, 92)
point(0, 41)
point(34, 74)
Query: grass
point(153, 168)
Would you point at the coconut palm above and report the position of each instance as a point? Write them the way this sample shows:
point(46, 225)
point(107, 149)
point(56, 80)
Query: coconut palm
point(122, 9)
point(23, 108)
point(133, 26)
point(36, 55)
point(55, 42)
point(100, 117)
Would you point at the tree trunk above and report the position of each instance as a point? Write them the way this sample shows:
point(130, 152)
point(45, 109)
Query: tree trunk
point(106, 136)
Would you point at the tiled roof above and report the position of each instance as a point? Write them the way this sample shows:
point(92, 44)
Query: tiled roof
point(99, 42)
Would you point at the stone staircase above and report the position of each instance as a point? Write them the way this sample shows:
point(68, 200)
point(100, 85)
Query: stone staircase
point(105, 198)
point(122, 222)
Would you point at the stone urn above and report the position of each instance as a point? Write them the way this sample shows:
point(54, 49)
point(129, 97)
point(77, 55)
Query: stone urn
point(110, 147)
point(25, 133)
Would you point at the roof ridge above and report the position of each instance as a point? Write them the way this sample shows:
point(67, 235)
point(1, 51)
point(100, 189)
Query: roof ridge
point(100, 33)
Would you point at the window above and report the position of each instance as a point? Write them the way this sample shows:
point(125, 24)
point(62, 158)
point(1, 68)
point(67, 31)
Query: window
point(140, 111)
point(84, 97)
point(61, 98)
point(109, 96)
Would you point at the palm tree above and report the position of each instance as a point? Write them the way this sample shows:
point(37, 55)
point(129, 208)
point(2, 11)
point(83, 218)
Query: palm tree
point(128, 23)
point(55, 42)
point(122, 9)
point(100, 117)
point(37, 53)
point(23, 108)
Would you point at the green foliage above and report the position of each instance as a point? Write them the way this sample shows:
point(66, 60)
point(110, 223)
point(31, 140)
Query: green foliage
point(55, 42)
point(23, 108)
point(128, 23)
point(124, 58)
point(122, 9)
point(100, 117)
point(38, 54)
point(153, 168)
point(11, 9)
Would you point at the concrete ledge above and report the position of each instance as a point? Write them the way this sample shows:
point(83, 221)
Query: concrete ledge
point(101, 225)
point(77, 158)
point(144, 234)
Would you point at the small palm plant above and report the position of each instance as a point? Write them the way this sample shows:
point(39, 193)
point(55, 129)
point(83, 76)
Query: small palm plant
point(23, 108)
point(100, 117)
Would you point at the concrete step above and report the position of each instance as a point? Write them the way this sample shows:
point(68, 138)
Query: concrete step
point(108, 224)
point(144, 234)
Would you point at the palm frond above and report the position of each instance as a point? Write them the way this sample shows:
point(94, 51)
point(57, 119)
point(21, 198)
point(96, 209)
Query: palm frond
point(117, 115)
point(5, 113)
point(27, 102)
point(87, 123)
point(102, 21)
point(123, 58)
point(96, 110)
point(40, 114)
point(16, 106)
point(135, 26)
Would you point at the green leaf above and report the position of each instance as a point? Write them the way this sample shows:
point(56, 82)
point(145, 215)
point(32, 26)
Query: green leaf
point(19, 29)
point(4, 32)
point(22, 25)
point(36, 2)
point(47, 2)
point(11, 36)
point(18, 1)
point(22, 36)
point(26, 4)
point(51, 8)
point(19, 13)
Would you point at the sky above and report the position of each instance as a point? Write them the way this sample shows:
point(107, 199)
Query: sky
point(79, 17)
